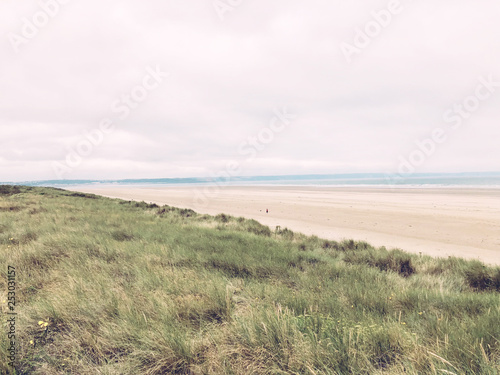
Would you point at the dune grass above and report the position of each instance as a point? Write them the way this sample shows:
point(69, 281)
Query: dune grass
point(106, 286)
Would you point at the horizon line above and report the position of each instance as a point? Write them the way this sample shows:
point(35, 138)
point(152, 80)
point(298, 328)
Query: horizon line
point(250, 177)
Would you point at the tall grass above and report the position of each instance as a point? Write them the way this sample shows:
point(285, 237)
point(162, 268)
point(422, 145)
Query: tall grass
point(134, 288)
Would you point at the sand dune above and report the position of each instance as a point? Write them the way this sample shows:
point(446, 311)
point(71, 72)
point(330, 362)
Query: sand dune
point(438, 222)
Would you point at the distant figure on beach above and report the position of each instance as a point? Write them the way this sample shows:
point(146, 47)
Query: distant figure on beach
point(267, 211)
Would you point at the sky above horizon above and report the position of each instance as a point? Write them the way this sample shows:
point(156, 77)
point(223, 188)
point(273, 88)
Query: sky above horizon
point(165, 89)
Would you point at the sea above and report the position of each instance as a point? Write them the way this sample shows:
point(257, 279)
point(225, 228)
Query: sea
point(373, 180)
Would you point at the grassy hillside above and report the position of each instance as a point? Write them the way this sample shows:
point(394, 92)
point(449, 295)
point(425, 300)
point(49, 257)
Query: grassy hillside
point(113, 287)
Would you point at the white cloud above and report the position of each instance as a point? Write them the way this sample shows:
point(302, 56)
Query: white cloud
point(227, 77)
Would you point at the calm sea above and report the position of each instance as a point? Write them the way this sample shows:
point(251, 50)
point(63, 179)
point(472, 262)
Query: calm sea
point(473, 180)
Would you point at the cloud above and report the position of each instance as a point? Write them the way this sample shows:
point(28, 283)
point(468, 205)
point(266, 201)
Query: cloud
point(227, 77)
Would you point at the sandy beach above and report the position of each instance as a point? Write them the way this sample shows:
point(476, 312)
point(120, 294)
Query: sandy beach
point(437, 222)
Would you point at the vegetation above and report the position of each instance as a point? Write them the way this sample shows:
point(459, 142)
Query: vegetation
point(106, 286)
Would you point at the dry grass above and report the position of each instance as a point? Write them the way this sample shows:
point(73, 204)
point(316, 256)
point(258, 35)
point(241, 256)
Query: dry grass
point(133, 288)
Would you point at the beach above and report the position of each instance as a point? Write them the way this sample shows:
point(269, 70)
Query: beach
point(441, 222)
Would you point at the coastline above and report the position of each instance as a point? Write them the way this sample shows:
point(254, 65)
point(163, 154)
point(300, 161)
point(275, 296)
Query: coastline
point(441, 222)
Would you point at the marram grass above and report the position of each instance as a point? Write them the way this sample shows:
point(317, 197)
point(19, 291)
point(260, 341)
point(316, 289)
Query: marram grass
point(106, 286)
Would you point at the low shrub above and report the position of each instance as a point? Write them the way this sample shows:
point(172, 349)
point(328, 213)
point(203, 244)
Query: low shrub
point(395, 261)
point(481, 278)
point(9, 190)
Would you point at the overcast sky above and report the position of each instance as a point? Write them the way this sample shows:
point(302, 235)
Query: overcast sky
point(191, 85)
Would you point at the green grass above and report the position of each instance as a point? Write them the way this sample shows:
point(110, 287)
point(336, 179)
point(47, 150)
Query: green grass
point(134, 288)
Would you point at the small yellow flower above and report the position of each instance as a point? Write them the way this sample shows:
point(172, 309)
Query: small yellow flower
point(40, 322)
point(403, 323)
point(31, 342)
point(45, 324)
point(420, 313)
